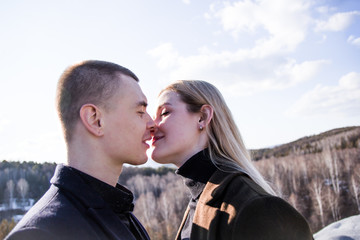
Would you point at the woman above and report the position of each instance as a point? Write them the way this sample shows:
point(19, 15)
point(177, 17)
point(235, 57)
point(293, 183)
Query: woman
point(229, 197)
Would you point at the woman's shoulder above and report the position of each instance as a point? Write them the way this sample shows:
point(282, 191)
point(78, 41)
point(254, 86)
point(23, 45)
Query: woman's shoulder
point(271, 216)
point(235, 185)
point(240, 191)
point(255, 209)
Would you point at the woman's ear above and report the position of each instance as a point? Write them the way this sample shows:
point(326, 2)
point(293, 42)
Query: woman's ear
point(92, 119)
point(206, 112)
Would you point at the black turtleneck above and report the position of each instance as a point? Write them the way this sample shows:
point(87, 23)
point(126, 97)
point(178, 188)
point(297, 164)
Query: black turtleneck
point(198, 168)
point(196, 173)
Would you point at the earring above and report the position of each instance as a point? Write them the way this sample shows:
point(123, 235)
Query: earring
point(201, 128)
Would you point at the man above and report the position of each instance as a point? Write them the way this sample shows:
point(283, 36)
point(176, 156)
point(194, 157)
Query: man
point(103, 113)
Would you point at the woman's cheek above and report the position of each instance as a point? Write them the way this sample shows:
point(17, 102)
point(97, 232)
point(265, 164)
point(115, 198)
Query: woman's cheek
point(161, 124)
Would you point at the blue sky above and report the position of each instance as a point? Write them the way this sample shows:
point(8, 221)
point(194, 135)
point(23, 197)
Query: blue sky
point(287, 69)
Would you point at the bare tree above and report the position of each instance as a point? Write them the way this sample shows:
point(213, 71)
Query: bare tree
point(331, 162)
point(10, 187)
point(354, 189)
point(293, 200)
point(137, 185)
point(22, 187)
point(317, 187)
point(333, 199)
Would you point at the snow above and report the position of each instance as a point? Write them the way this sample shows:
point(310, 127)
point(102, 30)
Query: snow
point(345, 229)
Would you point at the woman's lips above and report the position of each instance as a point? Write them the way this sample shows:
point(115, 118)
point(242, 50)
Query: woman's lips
point(156, 138)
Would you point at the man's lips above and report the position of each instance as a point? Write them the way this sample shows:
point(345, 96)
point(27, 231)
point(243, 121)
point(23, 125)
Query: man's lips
point(147, 139)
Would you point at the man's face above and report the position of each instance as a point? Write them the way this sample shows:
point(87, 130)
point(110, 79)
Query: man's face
point(127, 124)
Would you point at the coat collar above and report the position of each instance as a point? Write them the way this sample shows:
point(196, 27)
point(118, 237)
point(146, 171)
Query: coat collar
point(212, 197)
point(65, 178)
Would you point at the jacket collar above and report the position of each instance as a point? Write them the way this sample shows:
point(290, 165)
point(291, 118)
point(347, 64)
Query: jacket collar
point(211, 196)
point(65, 178)
point(119, 198)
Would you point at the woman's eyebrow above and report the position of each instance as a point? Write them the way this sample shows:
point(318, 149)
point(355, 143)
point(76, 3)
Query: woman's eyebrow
point(164, 104)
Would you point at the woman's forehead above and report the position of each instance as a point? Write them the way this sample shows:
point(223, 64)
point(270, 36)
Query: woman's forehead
point(168, 97)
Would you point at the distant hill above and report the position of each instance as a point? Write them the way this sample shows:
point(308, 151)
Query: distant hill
point(340, 138)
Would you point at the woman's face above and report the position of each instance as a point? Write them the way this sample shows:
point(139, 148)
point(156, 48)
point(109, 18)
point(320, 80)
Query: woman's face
point(177, 136)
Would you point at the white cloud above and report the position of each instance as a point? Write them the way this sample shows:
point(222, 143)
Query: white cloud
point(282, 26)
point(285, 24)
point(294, 73)
point(236, 73)
point(275, 27)
point(286, 74)
point(325, 9)
point(337, 22)
point(166, 54)
point(354, 41)
point(342, 99)
point(186, 1)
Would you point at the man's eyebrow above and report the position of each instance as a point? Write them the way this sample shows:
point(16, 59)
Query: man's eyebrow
point(142, 104)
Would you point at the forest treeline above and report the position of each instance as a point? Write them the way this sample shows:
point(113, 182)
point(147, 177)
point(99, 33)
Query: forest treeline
point(318, 175)
point(340, 138)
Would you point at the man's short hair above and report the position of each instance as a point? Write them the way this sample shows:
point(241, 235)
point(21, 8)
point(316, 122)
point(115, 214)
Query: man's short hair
point(90, 81)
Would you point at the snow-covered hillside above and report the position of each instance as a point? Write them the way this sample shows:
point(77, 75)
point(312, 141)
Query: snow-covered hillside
point(345, 229)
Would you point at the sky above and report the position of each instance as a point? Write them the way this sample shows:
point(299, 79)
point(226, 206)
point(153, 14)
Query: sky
point(287, 68)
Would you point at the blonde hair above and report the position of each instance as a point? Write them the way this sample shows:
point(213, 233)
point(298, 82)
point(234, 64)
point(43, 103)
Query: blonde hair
point(226, 148)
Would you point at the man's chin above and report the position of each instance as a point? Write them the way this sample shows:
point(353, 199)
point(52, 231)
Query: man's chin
point(139, 162)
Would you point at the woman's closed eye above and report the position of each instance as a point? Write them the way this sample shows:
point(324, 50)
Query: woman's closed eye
point(164, 113)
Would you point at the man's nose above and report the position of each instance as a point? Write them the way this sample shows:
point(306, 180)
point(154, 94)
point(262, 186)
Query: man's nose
point(153, 130)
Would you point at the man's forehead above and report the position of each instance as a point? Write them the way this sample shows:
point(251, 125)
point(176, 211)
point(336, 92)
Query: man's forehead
point(142, 98)
point(129, 87)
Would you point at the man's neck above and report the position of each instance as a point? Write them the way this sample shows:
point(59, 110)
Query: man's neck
point(94, 163)
point(86, 153)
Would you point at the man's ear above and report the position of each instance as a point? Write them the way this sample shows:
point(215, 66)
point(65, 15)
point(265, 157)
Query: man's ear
point(206, 112)
point(92, 119)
